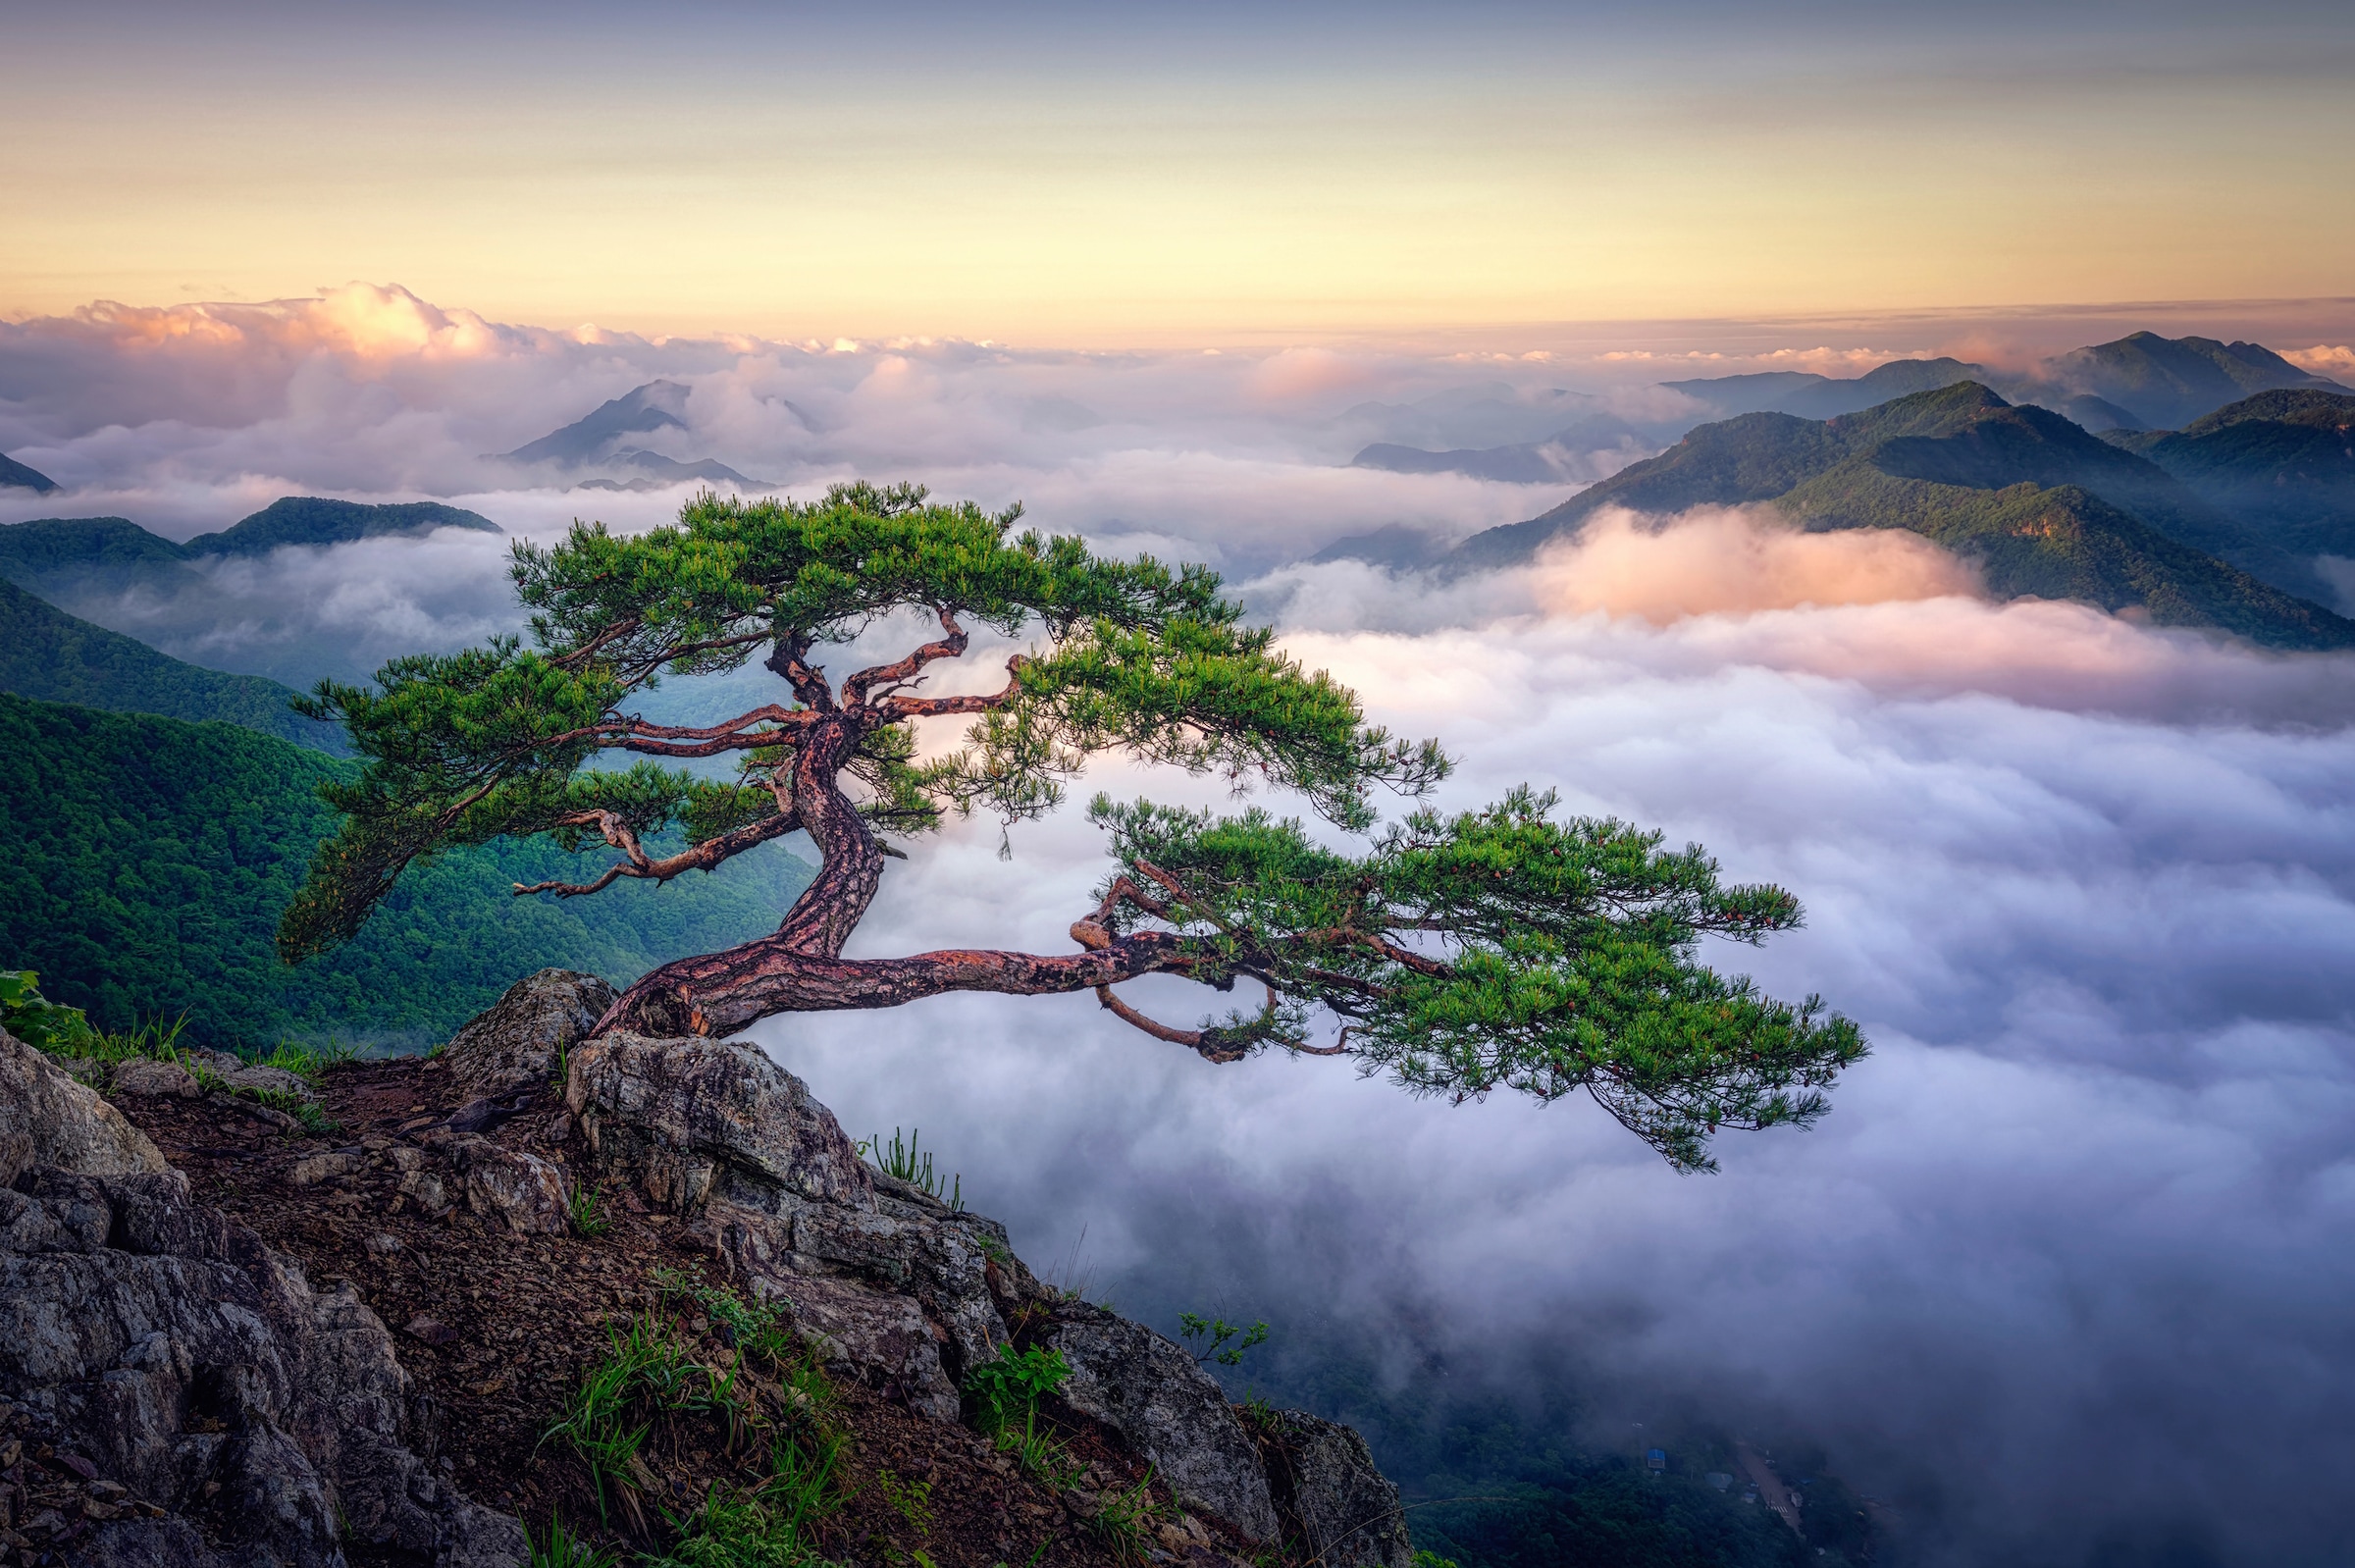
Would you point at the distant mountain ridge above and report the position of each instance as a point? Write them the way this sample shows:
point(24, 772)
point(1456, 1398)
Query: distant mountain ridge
point(316, 520)
point(79, 554)
point(2043, 507)
point(1592, 449)
point(56, 657)
point(2167, 383)
point(2141, 380)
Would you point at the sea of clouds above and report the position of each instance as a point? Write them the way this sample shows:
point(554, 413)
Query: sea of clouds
point(2067, 1269)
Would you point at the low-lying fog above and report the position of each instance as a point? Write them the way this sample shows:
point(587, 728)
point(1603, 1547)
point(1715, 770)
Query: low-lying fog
point(2069, 1261)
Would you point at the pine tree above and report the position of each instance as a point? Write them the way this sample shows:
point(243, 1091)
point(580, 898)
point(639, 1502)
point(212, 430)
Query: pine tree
point(1504, 948)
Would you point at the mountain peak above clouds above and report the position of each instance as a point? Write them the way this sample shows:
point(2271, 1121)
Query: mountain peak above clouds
point(642, 410)
point(2167, 383)
point(596, 440)
point(18, 475)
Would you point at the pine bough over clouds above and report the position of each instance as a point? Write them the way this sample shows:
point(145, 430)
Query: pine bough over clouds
point(2069, 1264)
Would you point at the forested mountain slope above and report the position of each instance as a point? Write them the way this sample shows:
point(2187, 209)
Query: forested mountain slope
point(2044, 508)
point(49, 654)
point(2283, 462)
point(149, 859)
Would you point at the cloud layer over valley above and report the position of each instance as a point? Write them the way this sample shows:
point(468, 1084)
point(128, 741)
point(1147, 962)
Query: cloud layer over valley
point(2066, 1271)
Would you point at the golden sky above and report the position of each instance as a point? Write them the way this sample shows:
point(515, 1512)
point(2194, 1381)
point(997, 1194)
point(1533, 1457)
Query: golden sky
point(1082, 177)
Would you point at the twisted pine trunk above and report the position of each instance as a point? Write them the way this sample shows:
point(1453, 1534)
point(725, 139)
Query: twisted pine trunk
point(800, 969)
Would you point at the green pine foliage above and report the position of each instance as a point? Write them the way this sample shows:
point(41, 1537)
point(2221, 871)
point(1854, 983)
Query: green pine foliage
point(1496, 949)
point(152, 857)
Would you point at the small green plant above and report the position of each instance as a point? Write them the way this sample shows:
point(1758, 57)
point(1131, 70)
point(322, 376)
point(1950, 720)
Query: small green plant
point(308, 1061)
point(1013, 1385)
point(587, 1210)
point(40, 1023)
point(1006, 1395)
point(904, 1161)
point(307, 1112)
point(1125, 1521)
point(602, 1420)
point(561, 1548)
point(1206, 1338)
point(1432, 1559)
point(912, 1500)
point(1258, 1413)
point(757, 1327)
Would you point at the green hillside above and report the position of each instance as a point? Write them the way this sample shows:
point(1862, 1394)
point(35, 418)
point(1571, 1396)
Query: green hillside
point(313, 520)
point(150, 857)
point(2283, 462)
point(2045, 508)
point(47, 653)
point(105, 548)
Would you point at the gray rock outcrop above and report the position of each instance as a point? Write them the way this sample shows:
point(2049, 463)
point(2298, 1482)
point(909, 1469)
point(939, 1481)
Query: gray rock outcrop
point(1167, 1409)
point(46, 1117)
point(908, 1294)
point(517, 1043)
point(1347, 1510)
point(211, 1408)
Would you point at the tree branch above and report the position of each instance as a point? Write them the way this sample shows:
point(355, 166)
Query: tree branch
point(896, 708)
point(855, 690)
point(705, 856)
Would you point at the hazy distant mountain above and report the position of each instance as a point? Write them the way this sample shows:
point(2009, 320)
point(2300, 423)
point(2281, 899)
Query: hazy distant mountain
point(1813, 396)
point(596, 440)
point(2167, 383)
point(1594, 448)
point(657, 406)
point(2283, 462)
point(2142, 380)
point(16, 475)
point(1477, 417)
point(2043, 507)
point(314, 520)
point(1393, 545)
point(49, 654)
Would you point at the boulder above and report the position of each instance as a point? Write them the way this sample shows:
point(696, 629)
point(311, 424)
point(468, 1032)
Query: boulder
point(151, 1075)
point(1165, 1408)
point(525, 1193)
point(1348, 1511)
point(688, 1120)
point(241, 1077)
point(517, 1043)
point(48, 1119)
point(164, 1353)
